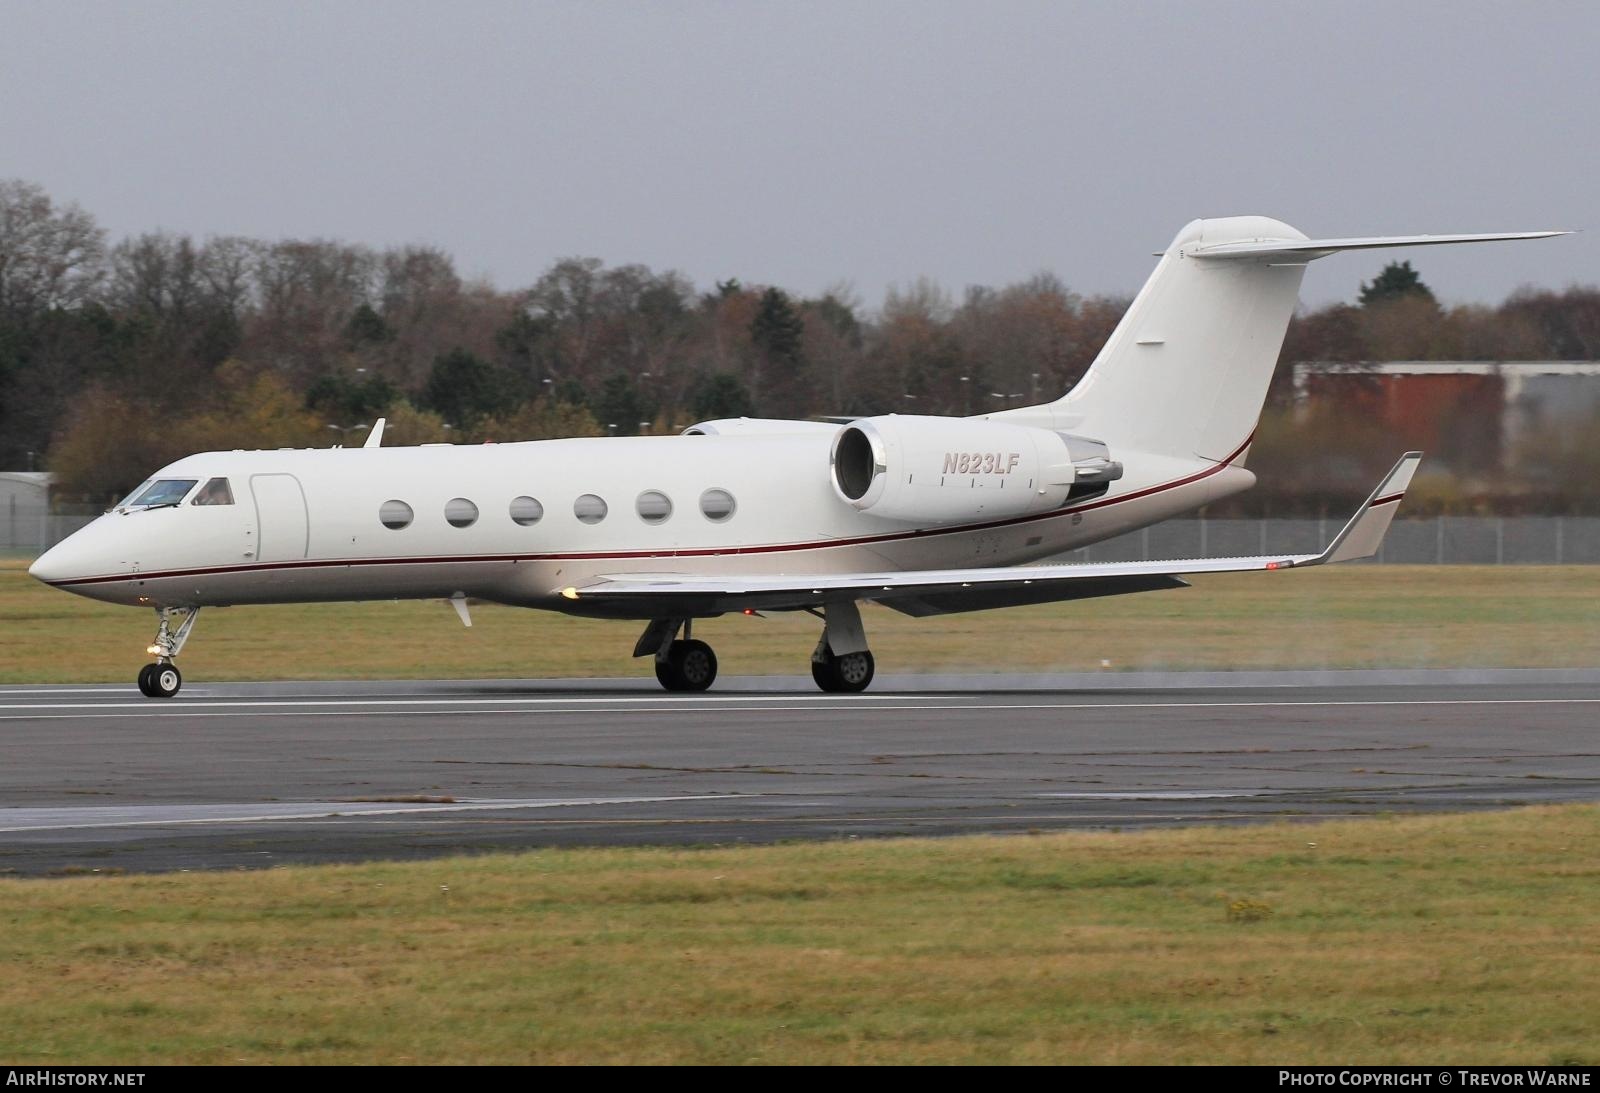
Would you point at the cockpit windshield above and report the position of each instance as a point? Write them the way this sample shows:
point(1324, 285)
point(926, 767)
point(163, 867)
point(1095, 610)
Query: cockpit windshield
point(163, 491)
point(137, 490)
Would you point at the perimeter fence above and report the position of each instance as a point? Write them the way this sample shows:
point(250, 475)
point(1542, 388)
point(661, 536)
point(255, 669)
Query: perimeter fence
point(1429, 540)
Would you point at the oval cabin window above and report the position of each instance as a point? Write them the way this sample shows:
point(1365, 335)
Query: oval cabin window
point(654, 506)
point(395, 514)
point(717, 505)
point(526, 511)
point(460, 513)
point(589, 509)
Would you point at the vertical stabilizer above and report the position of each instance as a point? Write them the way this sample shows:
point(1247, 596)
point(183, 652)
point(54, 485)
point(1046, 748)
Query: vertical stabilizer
point(1186, 371)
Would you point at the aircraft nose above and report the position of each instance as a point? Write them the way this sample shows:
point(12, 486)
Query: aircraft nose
point(76, 556)
point(89, 562)
point(51, 566)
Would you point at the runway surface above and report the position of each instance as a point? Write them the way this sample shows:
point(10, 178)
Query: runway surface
point(251, 775)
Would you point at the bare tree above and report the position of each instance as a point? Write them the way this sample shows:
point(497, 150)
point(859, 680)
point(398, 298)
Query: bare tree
point(49, 257)
point(156, 274)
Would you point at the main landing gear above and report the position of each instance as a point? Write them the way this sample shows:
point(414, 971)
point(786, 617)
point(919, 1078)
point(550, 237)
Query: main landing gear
point(840, 664)
point(688, 666)
point(162, 679)
point(849, 673)
point(681, 664)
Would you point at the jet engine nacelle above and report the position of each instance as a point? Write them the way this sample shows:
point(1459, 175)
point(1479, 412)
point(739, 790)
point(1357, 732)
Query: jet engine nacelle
point(936, 470)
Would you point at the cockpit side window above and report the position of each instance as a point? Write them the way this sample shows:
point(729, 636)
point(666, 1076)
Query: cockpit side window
point(215, 492)
point(163, 491)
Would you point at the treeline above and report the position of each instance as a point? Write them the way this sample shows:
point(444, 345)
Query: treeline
point(116, 357)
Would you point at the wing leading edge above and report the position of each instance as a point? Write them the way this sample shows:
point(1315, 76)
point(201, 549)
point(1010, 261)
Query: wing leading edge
point(945, 591)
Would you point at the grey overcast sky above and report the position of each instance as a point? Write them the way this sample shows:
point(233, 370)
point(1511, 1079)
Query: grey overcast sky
point(805, 144)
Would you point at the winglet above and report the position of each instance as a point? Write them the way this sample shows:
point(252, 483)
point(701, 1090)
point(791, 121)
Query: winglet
point(375, 437)
point(1362, 536)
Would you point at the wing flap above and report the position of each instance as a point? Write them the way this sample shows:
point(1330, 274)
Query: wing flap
point(986, 598)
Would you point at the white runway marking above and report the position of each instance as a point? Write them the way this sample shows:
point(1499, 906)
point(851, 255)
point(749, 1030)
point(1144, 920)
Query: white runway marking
point(103, 689)
point(465, 700)
point(59, 819)
point(731, 705)
point(1159, 795)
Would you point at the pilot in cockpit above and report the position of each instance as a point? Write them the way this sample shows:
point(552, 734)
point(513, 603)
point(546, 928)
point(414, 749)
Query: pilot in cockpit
point(214, 492)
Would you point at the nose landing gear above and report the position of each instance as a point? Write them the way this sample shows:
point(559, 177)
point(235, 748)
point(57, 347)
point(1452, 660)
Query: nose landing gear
point(162, 679)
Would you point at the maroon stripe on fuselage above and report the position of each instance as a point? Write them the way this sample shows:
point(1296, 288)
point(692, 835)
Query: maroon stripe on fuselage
point(701, 552)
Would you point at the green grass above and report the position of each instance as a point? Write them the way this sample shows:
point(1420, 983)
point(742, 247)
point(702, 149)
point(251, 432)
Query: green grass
point(1342, 617)
point(1446, 939)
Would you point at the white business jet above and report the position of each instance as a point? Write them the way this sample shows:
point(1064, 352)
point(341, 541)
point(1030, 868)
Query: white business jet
point(927, 515)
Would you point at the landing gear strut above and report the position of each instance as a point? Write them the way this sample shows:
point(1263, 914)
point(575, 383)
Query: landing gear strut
point(162, 679)
point(841, 662)
point(681, 665)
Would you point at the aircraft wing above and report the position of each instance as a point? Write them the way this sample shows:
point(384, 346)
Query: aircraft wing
point(944, 591)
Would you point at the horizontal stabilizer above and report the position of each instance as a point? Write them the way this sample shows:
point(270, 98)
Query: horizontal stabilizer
point(1305, 250)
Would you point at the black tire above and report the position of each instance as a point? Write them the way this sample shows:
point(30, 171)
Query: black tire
point(690, 666)
point(144, 680)
point(165, 679)
point(848, 674)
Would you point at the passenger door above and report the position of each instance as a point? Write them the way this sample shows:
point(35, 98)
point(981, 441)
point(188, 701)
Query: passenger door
point(283, 529)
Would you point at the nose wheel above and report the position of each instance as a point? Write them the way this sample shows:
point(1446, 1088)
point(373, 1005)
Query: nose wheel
point(162, 679)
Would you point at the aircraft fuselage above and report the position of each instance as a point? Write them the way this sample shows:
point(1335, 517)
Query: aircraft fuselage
point(307, 525)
